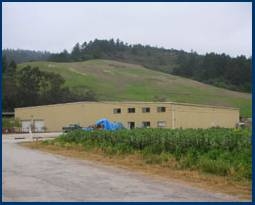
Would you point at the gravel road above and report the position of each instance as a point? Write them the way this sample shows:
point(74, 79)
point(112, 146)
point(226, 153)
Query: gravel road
point(31, 175)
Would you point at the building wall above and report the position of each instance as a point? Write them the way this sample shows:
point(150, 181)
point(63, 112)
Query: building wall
point(87, 113)
point(191, 116)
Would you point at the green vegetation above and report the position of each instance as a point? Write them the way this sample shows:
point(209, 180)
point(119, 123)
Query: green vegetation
point(29, 86)
point(10, 123)
point(220, 70)
point(20, 55)
point(112, 80)
point(219, 151)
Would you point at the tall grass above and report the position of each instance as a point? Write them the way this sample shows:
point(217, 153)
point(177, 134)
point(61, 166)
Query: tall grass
point(219, 151)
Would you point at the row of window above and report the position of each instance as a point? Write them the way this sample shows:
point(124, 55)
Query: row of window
point(146, 124)
point(144, 110)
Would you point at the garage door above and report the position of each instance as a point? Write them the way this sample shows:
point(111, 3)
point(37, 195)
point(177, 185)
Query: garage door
point(39, 126)
point(25, 125)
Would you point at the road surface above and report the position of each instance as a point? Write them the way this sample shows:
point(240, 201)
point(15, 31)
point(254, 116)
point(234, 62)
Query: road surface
point(32, 175)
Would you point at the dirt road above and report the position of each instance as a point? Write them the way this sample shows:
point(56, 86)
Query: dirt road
point(31, 175)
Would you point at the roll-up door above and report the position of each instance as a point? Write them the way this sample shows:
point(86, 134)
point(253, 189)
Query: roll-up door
point(25, 125)
point(39, 125)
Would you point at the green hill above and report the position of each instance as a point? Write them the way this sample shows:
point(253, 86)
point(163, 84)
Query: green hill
point(112, 80)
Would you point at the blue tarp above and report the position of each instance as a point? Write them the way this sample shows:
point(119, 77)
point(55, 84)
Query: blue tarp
point(105, 124)
point(108, 125)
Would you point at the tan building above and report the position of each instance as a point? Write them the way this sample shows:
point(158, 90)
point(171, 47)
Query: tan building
point(130, 114)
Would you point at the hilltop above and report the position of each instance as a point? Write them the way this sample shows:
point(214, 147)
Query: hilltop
point(113, 80)
point(221, 70)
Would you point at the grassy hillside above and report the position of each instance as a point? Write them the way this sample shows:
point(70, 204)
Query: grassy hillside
point(112, 80)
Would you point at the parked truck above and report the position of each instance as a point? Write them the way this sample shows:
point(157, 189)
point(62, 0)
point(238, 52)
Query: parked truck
point(71, 127)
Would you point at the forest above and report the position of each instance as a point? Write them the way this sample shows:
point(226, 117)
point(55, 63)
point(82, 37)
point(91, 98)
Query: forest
point(21, 56)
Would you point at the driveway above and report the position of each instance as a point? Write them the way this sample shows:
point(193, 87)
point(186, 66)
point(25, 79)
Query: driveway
point(31, 175)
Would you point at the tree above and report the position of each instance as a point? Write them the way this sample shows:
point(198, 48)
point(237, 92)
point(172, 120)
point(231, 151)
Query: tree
point(11, 70)
point(4, 63)
point(216, 69)
point(76, 52)
point(9, 93)
point(20, 56)
point(9, 85)
point(28, 80)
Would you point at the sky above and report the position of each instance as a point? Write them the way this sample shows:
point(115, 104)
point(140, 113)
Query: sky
point(202, 27)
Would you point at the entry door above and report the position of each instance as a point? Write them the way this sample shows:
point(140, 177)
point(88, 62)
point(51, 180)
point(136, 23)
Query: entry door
point(131, 125)
point(39, 125)
point(25, 125)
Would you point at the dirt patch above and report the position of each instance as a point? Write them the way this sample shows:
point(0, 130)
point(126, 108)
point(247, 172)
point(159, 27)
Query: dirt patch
point(134, 162)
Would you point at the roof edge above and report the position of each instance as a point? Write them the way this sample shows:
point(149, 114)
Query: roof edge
point(133, 102)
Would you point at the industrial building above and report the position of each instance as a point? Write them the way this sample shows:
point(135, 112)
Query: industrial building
point(131, 114)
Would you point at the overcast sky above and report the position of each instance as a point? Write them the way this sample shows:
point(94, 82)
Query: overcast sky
point(203, 27)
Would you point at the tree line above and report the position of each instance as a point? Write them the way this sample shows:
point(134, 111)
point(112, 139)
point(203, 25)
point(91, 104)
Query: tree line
point(21, 56)
point(217, 69)
point(30, 86)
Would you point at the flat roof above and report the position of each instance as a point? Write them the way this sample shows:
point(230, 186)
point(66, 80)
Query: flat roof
point(132, 102)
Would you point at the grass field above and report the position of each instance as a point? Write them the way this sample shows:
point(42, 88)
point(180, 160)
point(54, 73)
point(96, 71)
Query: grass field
point(112, 80)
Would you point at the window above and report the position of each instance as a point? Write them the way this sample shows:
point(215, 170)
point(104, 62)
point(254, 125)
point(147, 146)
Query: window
point(131, 125)
point(146, 124)
point(161, 123)
point(131, 110)
point(146, 109)
point(161, 109)
point(116, 110)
